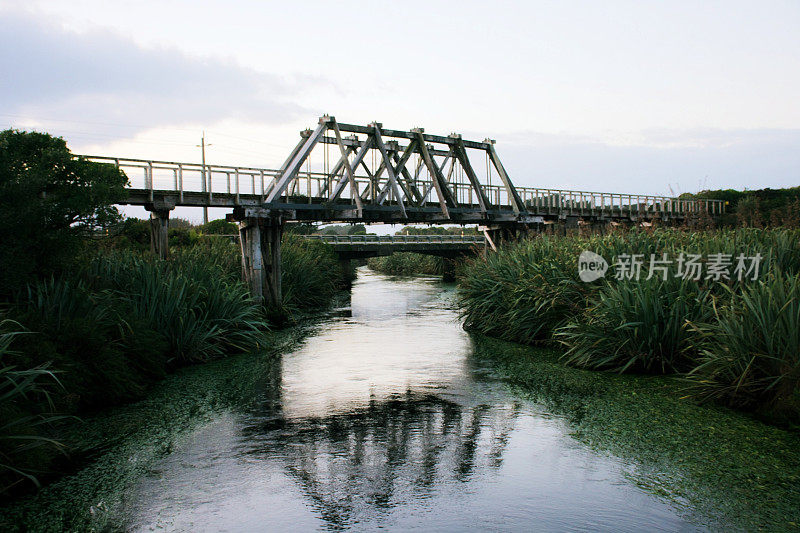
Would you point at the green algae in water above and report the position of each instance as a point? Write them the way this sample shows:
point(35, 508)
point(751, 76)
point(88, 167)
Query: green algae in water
point(712, 462)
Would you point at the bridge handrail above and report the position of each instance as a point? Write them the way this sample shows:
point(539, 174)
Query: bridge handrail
point(211, 179)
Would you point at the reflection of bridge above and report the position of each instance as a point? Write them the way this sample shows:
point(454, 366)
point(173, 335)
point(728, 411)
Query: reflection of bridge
point(357, 465)
point(378, 175)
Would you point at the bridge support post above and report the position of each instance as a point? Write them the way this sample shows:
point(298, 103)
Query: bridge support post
point(271, 246)
point(159, 230)
point(252, 261)
point(261, 259)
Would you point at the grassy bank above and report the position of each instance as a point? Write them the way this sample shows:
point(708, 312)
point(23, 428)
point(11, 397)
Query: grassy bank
point(114, 448)
point(711, 460)
point(737, 341)
point(106, 331)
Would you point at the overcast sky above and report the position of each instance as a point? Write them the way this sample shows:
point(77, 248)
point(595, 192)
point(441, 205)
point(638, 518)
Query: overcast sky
point(647, 97)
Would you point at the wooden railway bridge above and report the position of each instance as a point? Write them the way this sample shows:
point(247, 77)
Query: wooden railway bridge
point(374, 175)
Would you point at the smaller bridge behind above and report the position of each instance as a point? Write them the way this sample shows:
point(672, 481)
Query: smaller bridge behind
point(361, 246)
point(448, 247)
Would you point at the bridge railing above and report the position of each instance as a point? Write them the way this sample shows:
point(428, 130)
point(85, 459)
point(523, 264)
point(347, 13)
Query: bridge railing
point(398, 239)
point(237, 181)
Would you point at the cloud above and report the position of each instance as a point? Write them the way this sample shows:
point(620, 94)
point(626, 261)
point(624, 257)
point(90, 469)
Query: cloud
point(101, 77)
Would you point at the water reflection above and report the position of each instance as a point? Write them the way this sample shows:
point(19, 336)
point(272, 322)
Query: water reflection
point(380, 421)
point(387, 454)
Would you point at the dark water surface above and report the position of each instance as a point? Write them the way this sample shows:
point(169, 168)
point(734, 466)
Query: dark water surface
point(384, 419)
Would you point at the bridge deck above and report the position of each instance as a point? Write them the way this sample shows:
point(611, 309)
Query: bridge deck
point(181, 184)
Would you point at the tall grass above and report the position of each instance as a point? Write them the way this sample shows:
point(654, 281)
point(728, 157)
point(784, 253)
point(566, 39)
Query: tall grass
point(124, 320)
point(751, 349)
point(311, 274)
point(190, 302)
point(22, 393)
point(642, 326)
point(525, 292)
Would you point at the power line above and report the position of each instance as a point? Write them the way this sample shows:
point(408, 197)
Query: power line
point(116, 124)
point(249, 140)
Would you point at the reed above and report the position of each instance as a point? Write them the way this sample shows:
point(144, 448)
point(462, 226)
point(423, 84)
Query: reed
point(122, 321)
point(523, 293)
point(311, 274)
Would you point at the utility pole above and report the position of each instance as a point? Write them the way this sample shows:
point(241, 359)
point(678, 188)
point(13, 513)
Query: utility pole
point(202, 146)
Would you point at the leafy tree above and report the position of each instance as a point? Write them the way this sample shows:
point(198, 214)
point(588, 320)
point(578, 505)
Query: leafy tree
point(756, 208)
point(344, 229)
point(180, 223)
point(220, 226)
point(300, 228)
point(131, 233)
point(49, 200)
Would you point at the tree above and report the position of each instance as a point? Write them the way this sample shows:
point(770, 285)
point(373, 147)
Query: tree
point(49, 200)
point(220, 226)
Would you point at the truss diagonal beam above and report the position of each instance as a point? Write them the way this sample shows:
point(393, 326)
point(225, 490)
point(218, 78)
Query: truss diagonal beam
point(401, 163)
point(390, 172)
point(461, 153)
point(442, 190)
point(334, 172)
point(513, 196)
point(429, 186)
point(409, 181)
point(349, 174)
point(290, 172)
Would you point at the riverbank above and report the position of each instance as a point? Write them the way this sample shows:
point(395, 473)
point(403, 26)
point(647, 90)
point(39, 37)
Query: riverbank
point(117, 446)
point(355, 432)
point(709, 460)
point(119, 321)
point(719, 308)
